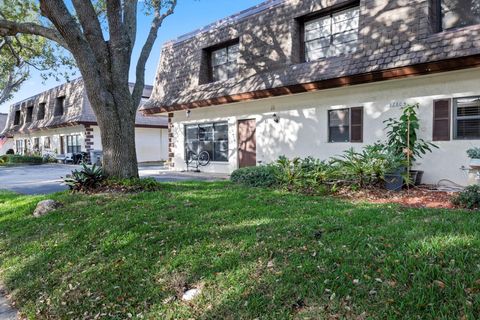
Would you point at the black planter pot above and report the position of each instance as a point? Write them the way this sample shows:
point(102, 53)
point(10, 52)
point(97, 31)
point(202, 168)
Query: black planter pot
point(394, 180)
point(413, 174)
point(418, 176)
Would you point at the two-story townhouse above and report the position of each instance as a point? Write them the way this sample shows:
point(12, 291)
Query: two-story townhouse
point(61, 121)
point(316, 77)
point(6, 142)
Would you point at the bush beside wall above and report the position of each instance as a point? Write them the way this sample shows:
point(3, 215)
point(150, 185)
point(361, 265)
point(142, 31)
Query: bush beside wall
point(17, 159)
point(261, 176)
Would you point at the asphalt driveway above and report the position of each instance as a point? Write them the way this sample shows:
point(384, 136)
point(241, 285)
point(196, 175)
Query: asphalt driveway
point(47, 178)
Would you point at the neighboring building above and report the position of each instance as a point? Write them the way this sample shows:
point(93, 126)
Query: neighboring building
point(6, 142)
point(314, 78)
point(61, 121)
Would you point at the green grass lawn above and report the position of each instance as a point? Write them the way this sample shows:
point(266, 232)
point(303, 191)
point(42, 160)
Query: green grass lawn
point(256, 253)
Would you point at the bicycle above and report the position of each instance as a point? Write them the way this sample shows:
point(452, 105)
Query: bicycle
point(202, 159)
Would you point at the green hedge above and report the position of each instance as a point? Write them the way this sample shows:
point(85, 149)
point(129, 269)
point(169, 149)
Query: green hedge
point(14, 159)
point(261, 176)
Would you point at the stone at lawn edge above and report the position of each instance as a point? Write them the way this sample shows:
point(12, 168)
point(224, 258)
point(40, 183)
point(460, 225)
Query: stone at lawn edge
point(44, 207)
point(189, 295)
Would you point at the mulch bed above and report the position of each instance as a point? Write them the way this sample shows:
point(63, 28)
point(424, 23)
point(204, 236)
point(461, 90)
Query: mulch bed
point(415, 197)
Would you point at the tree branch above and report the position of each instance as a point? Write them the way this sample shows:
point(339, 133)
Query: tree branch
point(130, 20)
point(12, 28)
point(147, 48)
point(91, 28)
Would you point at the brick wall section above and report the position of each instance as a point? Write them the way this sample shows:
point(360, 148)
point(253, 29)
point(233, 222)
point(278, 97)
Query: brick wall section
point(391, 34)
point(171, 144)
point(88, 140)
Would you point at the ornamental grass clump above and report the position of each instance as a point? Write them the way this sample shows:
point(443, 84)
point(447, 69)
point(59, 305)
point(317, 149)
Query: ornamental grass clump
point(469, 198)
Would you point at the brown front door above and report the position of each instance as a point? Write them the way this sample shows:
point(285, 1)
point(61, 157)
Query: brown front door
point(247, 143)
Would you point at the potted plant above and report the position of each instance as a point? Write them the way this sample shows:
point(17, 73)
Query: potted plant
point(394, 176)
point(403, 142)
point(474, 155)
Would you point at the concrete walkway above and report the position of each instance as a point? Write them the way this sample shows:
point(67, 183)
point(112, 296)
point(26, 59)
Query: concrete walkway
point(6, 311)
point(47, 178)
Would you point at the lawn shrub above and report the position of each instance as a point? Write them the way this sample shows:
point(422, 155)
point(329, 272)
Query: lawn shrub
point(468, 198)
point(365, 168)
point(86, 179)
point(261, 176)
point(308, 175)
point(17, 159)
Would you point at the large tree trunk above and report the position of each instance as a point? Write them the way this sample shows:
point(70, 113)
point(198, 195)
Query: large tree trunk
point(118, 142)
point(116, 119)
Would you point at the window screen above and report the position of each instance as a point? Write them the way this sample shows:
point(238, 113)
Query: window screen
point(210, 137)
point(36, 144)
point(460, 13)
point(339, 125)
point(467, 118)
point(46, 142)
point(59, 106)
point(225, 62)
point(332, 35)
point(29, 114)
point(41, 111)
point(17, 118)
point(73, 144)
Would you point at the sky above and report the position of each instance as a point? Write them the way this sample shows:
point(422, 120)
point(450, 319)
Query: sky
point(189, 16)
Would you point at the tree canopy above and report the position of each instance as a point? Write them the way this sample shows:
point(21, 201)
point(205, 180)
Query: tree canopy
point(21, 52)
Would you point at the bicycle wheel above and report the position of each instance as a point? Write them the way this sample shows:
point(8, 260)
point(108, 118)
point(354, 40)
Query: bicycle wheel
point(203, 158)
point(191, 156)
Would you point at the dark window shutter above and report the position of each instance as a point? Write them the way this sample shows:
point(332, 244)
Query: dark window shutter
point(441, 120)
point(356, 124)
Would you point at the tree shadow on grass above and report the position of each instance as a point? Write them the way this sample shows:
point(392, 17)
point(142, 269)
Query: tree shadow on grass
point(257, 253)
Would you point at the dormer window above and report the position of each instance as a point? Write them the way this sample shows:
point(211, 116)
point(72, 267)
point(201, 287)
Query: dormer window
point(29, 114)
point(224, 62)
point(59, 106)
point(331, 34)
point(41, 111)
point(458, 13)
point(17, 118)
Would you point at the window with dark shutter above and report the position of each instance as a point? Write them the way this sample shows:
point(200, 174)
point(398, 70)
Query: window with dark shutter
point(441, 120)
point(467, 118)
point(345, 125)
point(356, 124)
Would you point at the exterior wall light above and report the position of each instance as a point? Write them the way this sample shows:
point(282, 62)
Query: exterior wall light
point(187, 113)
point(276, 118)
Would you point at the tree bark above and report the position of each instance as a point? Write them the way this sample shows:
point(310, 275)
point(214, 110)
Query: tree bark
point(118, 142)
point(116, 112)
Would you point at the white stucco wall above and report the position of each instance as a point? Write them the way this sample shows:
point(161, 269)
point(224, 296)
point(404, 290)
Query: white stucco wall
point(54, 135)
point(7, 144)
point(151, 143)
point(302, 130)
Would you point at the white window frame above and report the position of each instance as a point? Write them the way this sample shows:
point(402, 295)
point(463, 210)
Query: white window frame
point(327, 29)
point(231, 54)
point(455, 117)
